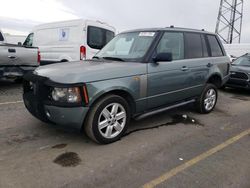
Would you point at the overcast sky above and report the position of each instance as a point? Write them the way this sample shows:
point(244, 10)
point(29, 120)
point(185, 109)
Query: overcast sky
point(19, 16)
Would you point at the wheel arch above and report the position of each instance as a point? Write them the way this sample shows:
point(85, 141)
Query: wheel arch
point(117, 91)
point(114, 91)
point(215, 79)
point(64, 60)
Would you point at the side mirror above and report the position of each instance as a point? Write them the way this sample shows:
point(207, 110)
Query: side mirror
point(163, 57)
point(19, 44)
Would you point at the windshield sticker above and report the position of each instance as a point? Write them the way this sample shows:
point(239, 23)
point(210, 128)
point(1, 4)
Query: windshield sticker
point(147, 34)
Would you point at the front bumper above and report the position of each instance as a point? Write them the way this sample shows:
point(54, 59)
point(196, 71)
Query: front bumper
point(239, 80)
point(238, 83)
point(15, 71)
point(37, 104)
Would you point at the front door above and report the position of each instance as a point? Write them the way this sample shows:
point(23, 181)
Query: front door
point(168, 82)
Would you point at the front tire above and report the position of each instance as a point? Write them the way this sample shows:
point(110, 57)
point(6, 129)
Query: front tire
point(108, 119)
point(208, 99)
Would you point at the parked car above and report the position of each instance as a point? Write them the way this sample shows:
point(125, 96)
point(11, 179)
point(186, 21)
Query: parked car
point(72, 40)
point(137, 74)
point(240, 73)
point(16, 60)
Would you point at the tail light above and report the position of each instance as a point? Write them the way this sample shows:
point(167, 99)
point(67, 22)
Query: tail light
point(82, 52)
point(38, 57)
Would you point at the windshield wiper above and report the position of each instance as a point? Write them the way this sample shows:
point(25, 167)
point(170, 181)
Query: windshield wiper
point(113, 58)
point(95, 57)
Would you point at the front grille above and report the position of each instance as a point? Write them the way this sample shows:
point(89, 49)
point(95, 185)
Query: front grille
point(238, 82)
point(37, 89)
point(35, 94)
point(239, 75)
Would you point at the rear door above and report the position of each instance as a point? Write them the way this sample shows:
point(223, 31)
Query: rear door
point(219, 57)
point(12, 55)
point(26, 56)
point(197, 61)
point(97, 38)
point(4, 59)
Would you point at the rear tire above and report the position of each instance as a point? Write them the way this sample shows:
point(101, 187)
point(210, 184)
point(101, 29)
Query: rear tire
point(108, 119)
point(208, 99)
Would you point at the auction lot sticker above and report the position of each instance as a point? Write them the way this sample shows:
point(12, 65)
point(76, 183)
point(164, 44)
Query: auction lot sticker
point(147, 34)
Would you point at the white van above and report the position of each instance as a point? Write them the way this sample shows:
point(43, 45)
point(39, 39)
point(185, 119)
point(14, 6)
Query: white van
point(69, 40)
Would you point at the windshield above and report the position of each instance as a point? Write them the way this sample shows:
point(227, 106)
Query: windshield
point(127, 46)
point(242, 61)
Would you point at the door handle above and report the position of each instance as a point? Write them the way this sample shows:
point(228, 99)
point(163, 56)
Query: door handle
point(209, 65)
point(12, 57)
point(184, 68)
point(11, 50)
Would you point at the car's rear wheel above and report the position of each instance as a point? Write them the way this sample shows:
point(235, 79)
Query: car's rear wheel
point(208, 99)
point(108, 119)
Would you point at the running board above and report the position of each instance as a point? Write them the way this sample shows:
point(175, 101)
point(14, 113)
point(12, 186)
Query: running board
point(163, 109)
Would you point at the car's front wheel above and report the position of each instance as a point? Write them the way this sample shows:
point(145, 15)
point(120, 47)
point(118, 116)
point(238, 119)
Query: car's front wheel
point(108, 119)
point(208, 99)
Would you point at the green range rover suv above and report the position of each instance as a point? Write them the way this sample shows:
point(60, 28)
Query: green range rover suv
point(137, 74)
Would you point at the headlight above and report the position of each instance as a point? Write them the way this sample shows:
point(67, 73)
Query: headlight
point(70, 95)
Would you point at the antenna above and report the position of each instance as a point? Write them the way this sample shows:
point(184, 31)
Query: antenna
point(229, 21)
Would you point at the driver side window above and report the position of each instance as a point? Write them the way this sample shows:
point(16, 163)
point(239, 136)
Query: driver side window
point(172, 42)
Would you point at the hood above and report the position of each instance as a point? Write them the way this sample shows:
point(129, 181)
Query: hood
point(90, 71)
point(240, 68)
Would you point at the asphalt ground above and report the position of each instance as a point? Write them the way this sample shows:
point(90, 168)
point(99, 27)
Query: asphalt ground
point(179, 148)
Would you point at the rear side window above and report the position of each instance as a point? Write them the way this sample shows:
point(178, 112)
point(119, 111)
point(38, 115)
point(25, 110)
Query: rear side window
point(214, 46)
point(98, 37)
point(1, 37)
point(193, 45)
point(29, 40)
point(172, 42)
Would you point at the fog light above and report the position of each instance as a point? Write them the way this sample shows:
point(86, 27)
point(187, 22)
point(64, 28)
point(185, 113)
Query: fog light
point(47, 114)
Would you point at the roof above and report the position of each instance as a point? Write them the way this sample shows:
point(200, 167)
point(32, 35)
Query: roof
point(68, 23)
point(171, 28)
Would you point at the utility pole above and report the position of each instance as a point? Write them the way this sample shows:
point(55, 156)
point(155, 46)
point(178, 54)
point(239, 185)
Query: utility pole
point(229, 21)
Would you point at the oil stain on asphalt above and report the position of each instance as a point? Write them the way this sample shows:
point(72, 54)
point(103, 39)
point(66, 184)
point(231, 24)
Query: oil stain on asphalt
point(59, 146)
point(18, 139)
point(68, 159)
point(242, 98)
point(184, 119)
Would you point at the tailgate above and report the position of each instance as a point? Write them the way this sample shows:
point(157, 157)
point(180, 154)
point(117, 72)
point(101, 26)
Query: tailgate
point(14, 55)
